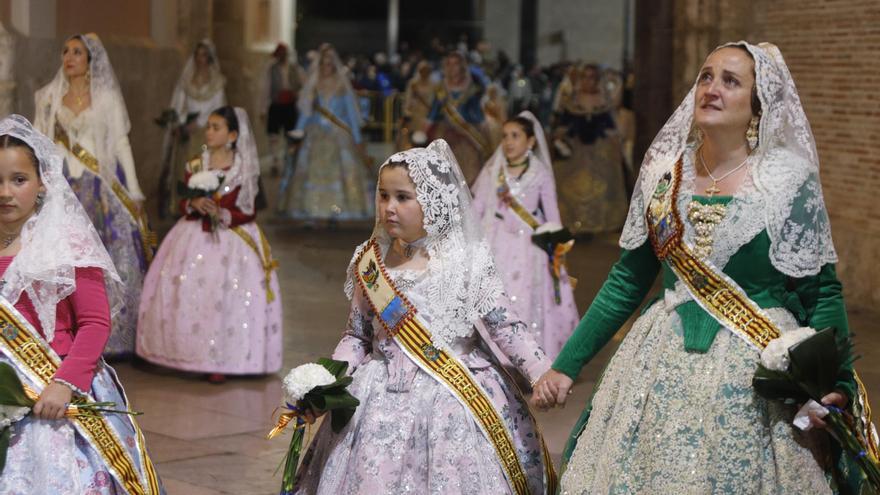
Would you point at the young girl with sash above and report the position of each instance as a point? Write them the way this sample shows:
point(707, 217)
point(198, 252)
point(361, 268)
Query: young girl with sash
point(211, 302)
point(514, 195)
point(729, 208)
point(437, 413)
point(328, 179)
point(83, 111)
point(54, 322)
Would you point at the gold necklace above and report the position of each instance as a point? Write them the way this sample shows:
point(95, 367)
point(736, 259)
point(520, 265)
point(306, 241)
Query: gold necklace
point(713, 189)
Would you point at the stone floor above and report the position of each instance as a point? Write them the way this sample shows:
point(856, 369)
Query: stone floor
point(210, 439)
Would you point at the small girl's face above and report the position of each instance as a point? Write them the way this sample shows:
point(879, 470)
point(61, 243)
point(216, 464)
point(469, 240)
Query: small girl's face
point(217, 133)
point(398, 209)
point(515, 142)
point(19, 186)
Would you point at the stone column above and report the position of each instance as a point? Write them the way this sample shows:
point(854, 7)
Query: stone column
point(7, 71)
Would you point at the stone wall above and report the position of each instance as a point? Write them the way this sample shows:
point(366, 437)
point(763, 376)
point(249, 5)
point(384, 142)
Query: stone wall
point(829, 46)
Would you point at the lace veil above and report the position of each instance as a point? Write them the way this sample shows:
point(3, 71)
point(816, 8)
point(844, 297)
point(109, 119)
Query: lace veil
point(56, 240)
point(216, 81)
point(107, 101)
point(310, 89)
point(784, 170)
point(462, 281)
point(539, 165)
point(245, 171)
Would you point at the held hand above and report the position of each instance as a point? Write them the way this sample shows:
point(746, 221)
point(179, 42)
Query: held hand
point(835, 399)
point(552, 389)
point(204, 206)
point(53, 402)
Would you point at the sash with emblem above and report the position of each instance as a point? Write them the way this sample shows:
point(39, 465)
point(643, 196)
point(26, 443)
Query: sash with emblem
point(403, 323)
point(36, 363)
point(719, 295)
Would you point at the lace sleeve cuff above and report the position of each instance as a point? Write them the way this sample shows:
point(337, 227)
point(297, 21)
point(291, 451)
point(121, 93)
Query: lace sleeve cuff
point(71, 386)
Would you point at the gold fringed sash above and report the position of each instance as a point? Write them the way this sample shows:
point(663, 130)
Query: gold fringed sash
point(514, 204)
point(400, 319)
point(264, 255)
point(327, 114)
point(149, 240)
point(456, 118)
point(718, 294)
point(30, 355)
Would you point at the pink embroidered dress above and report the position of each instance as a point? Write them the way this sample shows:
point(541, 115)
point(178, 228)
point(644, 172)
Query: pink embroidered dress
point(525, 267)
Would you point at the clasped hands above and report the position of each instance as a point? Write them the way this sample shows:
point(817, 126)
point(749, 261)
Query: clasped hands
point(551, 390)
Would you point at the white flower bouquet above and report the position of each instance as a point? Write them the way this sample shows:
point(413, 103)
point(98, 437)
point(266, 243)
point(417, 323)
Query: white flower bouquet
point(316, 387)
point(204, 184)
point(803, 366)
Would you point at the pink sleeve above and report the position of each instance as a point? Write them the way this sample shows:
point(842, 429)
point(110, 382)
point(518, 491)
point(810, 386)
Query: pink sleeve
point(357, 339)
point(91, 315)
point(548, 199)
point(513, 338)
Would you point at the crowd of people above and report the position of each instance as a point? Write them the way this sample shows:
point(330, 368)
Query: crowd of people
point(498, 173)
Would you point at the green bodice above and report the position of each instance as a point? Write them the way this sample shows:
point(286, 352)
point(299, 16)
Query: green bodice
point(815, 301)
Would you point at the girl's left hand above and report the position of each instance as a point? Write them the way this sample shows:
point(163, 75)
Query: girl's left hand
point(836, 399)
point(53, 402)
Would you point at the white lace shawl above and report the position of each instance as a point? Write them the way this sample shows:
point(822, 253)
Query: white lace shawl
point(54, 241)
point(539, 168)
point(782, 193)
point(462, 283)
point(245, 171)
point(205, 99)
point(107, 102)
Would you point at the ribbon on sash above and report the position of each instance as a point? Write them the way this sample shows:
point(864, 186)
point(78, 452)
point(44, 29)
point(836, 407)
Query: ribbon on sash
point(400, 319)
point(557, 252)
point(719, 295)
point(264, 255)
point(37, 363)
point(327, 114)
point(457, 119)
point(149, 240)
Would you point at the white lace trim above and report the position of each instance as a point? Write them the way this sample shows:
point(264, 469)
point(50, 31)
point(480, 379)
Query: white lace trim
point(782, 194)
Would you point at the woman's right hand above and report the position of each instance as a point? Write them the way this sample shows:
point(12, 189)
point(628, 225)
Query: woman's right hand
point(551, 389)
point(204, 206)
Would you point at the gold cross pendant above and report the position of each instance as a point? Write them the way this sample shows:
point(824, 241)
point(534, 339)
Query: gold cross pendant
point(713, 189)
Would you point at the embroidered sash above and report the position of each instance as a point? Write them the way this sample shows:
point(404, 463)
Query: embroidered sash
point(718, 294)
point(36, 363)
point(264, 254)
point(327, 114)
point(149, 240)
point(458, 120)
point(400, 319)
point(513, 203)
point(262, 250)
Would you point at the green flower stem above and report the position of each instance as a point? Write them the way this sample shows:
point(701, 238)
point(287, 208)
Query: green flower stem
point(839, 428)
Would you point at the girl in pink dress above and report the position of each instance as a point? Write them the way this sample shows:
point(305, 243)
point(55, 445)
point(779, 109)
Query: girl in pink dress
point(519, 173)
point(211, 301)
point(54, 323)
point(413, 431)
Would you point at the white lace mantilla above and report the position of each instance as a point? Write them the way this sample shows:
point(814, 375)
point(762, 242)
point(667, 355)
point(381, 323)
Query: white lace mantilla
point(782, 194)
point(461, 283)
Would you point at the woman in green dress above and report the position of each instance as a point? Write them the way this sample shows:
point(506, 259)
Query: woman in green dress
point(731, 183)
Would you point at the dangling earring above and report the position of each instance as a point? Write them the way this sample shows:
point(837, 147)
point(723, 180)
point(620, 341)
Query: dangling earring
point(41, 198)
point(696, 135)
point(89, 74)
point(229, 145)
point(752, 132)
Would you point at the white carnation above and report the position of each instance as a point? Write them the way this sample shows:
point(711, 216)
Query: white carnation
point(204, 181)
point(11, 414)
point(302, 379)
point(775, 355)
